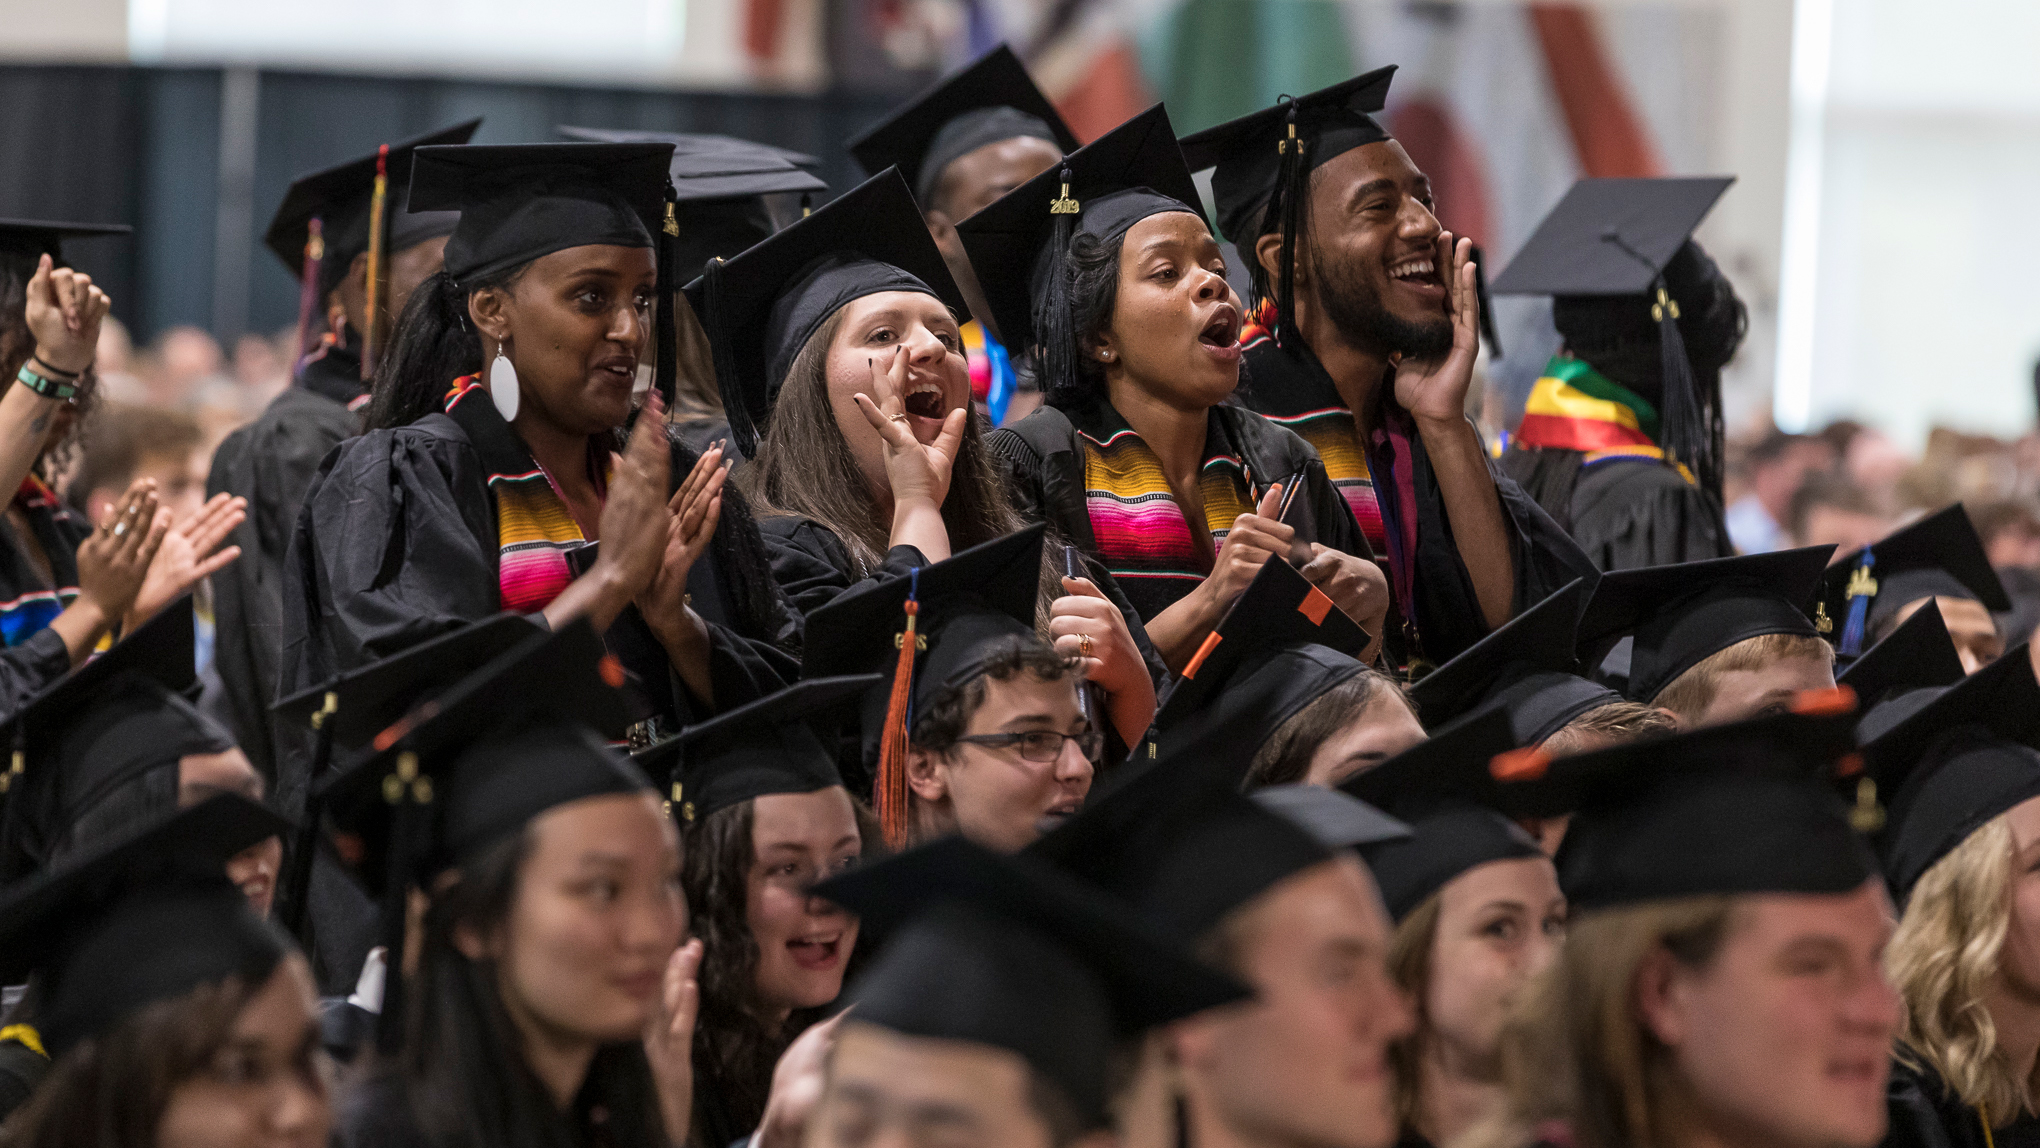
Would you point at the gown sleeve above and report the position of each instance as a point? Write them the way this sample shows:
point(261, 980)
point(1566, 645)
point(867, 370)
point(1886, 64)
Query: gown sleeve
point(31, 667)
point(813, 567)
point(1634, 513)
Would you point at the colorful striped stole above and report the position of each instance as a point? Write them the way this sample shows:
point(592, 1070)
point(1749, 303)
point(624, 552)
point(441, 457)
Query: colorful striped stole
point(1575, 407)
point(1332, 432)
point(534, 530)
point(1142, 535)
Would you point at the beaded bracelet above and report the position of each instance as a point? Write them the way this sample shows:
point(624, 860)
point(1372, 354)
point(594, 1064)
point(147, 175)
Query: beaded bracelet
point(43, 385)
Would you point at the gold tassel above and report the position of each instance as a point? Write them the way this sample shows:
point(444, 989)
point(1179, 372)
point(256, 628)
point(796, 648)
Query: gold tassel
point(371, 338)
point(889, 792)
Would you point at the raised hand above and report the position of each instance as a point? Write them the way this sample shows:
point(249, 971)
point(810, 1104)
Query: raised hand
point(694, 511)
point(115, 560)
point(1434, 390)
point(1086, 625)
point(64, 309)
point(669, 1040)
point(191, 552)
point(917, 471)
point(797, 1082)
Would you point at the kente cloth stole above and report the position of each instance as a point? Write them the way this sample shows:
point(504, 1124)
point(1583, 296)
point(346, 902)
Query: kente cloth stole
point(22, 616)
point(1575, 407)
point(1331, 432)
point(1140, 530)
point(534, 530)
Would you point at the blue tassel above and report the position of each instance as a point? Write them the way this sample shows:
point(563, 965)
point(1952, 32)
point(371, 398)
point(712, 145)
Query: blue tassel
point(1862, 591)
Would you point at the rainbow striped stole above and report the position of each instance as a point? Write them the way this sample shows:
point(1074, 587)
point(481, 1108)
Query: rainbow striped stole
point(1575, 407)
point(534, 530)
point(1325, 423)
point(1141, 533)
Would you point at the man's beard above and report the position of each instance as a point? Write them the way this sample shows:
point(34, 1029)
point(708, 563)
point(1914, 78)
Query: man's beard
point(1357, 312)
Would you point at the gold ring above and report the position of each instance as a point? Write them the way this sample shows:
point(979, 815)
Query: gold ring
point(1084, 644)
point(900, 418)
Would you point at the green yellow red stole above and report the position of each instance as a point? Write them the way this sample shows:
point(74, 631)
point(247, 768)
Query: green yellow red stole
point(1575, 407)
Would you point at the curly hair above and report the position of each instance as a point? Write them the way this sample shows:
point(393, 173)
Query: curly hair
point(1943, 958)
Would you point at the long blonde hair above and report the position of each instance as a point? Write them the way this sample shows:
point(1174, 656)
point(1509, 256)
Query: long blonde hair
point(1578, 1053)
point(1409, 962)
point(1944, 957)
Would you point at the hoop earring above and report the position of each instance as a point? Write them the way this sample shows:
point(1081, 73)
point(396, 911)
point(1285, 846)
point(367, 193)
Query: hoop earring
point(503, 385)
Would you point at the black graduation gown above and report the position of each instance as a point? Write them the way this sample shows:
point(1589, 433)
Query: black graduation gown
point(270, 462)
point(1626, 513)
point(1925, 1113)
point(1284, 383)
point(28, 601)
point(378, 1113)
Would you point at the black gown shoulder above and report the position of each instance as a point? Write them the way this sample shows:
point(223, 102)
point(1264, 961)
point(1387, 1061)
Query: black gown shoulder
point(1926, 1113)
point(813, 567)
point(21, 1070)
point(1630, 513)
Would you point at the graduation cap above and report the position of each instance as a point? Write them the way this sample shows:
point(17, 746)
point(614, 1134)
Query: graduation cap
point(1747, 807)
point(992, 99)
point(1917, 655)
point(719, 182)
point(1940, 556)
point(933, 630)
point(1262, 162)
point(463, 770)
point(1337, 820)
point(357, 705)
point(1526, 667)
point(1617, 237)
point(1281, 646)
point(35, 238)
point(89, 734)
point(1020, 243)
point(522, 201)
point(145, 917)
point(760, 308)
point(1965, 756)
point(1683, 613)
point(330, 216)
point(1006, 952)
point(767, 746)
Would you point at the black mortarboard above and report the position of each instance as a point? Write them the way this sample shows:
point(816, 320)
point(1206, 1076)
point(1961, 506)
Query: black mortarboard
point(1281, 646)
point(1940, 556)
point(1007, 952)
point(144, 917)
point(519, 202)
point(991, 100)
point(767, 746)
point(1444, 788)
point(1526, 667)
point(1917, 655)
point(1336, 820)
point(957, 613)
point(35, 238)
point(1175, 838)
point(760, 308)
point(1020, 244)
point(1747, 807)
point(342, 199)
point(1617, 237)
point(103, 725)
point(1964, 756)
point(1683, 613)
point(1249, 154)
point(719, 182)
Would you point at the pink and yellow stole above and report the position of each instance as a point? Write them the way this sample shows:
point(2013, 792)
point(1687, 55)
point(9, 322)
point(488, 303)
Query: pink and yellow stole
point(534, 530)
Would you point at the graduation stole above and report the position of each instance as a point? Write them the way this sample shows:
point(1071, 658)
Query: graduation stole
point(1575, 407)
point(1141, 532)
point(534, 530)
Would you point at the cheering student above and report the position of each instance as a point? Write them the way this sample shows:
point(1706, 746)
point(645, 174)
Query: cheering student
point(836, 340)
point(763, 817)
point(1868, 593)
point(1103, 266)
point(1478, 915)
point(344, 234)
point(1715, 641)
point(49, 333)
point(994, 1013)
point(1272, 894)
point(490, 470)
point(1721, 978)
point(1960, 779)
point(1363, 341)
point(1281, 674)
point(1621, 437)
point(172, 1014)
point(553, 1000)
point(982, 729)
point(962, 144)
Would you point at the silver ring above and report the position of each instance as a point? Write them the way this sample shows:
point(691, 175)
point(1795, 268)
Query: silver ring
point(119, 528)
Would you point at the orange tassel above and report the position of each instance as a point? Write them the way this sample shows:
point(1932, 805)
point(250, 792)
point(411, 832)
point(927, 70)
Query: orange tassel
point(889, 793)
point(371, 337)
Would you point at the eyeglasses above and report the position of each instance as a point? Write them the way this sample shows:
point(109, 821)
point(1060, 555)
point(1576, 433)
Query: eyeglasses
point(1042, 745)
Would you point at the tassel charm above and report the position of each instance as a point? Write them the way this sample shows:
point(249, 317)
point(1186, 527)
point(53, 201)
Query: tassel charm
point(1063, 204)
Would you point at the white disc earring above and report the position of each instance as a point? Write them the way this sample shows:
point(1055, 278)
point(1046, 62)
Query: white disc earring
point(503, 385)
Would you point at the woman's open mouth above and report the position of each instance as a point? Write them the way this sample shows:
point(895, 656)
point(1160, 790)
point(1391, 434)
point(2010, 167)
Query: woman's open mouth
point(815, 953)
point(621, 371)
point(1220, 337)
point(924, 400)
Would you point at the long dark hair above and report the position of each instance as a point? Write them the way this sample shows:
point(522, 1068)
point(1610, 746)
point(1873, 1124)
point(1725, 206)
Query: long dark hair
point(804, 468)
point(465, 1080)
point(434, 343)
point(737, 1041)
point(1076, 287)
point(113, 1089)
